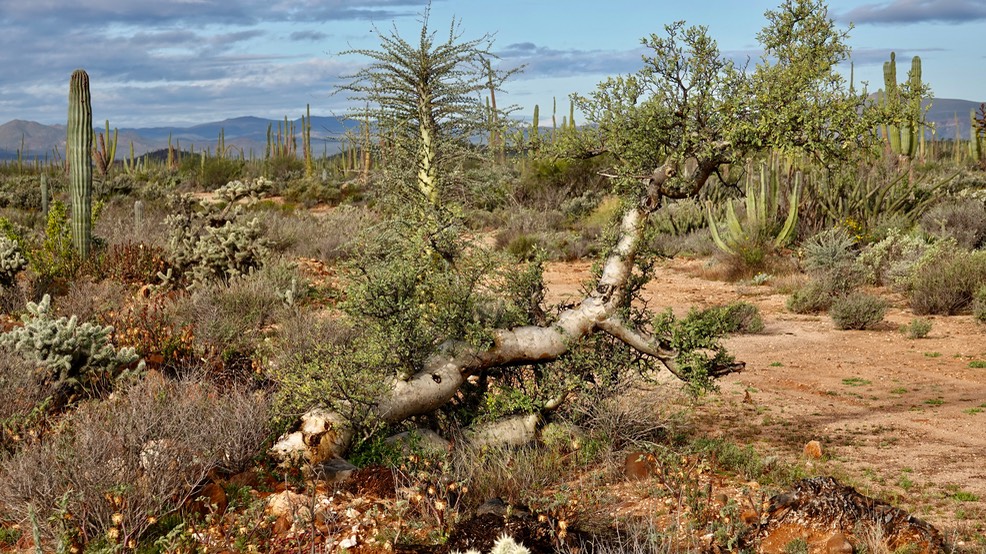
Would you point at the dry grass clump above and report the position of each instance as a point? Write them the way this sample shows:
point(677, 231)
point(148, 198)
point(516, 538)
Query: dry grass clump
point(112, 468)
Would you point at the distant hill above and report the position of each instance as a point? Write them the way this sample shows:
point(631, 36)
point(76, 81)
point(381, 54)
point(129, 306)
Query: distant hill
point(246, 134)
point(249, 134)
point(945, 112)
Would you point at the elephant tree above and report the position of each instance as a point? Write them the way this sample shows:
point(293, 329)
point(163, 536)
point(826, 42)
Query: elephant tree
point(442, 315)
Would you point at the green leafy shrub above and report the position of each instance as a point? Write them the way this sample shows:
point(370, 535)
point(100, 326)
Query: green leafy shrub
point(814, 297)
point(891, 260)
point(114, 467)
point(55, 258)
point(979, 305)
point(210, 172)
point(857, 311)
point(738, 317)
point(918, 328)
point(945, 280)
point(75, 357)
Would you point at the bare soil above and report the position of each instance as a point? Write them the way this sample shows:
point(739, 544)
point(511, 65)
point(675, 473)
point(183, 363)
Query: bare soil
point(900, 419)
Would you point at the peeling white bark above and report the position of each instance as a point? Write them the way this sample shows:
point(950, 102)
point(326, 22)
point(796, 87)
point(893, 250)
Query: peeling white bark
point(446, 370)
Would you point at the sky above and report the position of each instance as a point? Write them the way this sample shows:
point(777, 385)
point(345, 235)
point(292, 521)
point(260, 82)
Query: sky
point(183, 62)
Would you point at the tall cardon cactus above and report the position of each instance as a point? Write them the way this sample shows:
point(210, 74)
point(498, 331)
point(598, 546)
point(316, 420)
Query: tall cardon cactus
point(78, 151)
point(903, 138)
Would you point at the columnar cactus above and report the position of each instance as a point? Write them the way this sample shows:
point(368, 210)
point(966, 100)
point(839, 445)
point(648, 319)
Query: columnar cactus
point(78, 151)
point(902, 139)
point(45, 196)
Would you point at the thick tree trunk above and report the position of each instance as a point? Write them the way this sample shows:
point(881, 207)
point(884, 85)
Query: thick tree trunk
point(446, 370)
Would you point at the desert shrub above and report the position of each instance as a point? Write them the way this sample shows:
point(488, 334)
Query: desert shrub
point(21, 191)
point(945, 280)
point(857, 311)
point(119, 225)
point(283, 166)
point(74, 358)
point(153, 328)
point(695, 339)
point(829, 251)
point(918, 328)
point(228, 320)
point(55, 258)
point(132, 263)
point(22, 396)
point(342, 369)
point(891, 260)
point(979, 305)
point(115, 467)
point(961, 219)
point(210, 172)
point(88, 300)
point(814, 297)
point(327, 236)
point(739, 317)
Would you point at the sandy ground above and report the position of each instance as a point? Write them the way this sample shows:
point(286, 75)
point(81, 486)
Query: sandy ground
point(898, 418)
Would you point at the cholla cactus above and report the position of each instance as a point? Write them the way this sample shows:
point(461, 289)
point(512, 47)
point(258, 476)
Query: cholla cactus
point(75, 355)
point(504, 545)
point(216, 243)
point(251, 191)
point(12, 261)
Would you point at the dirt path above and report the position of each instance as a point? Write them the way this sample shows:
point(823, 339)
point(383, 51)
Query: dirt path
point(899, 418)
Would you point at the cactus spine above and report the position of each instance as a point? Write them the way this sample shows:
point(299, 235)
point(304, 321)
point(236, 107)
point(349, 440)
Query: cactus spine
point(78, 148)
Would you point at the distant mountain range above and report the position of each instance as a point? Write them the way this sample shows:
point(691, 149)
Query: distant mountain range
point(243, 134)
point(249, 134)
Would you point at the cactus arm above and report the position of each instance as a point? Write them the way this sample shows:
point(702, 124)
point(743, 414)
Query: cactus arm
point(787, 232)
point(714, 229)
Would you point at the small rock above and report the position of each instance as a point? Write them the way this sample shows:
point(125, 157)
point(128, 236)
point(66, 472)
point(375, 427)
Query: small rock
point(421, 440)
point(335, 470)
point(639, 465)
point(210, 499)
point(813, 450)
point(838, 544)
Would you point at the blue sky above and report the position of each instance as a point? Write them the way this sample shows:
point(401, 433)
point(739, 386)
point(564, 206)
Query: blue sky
point(191, 61)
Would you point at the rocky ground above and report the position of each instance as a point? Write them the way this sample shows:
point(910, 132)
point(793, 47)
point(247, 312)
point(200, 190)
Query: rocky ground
point(901, 419)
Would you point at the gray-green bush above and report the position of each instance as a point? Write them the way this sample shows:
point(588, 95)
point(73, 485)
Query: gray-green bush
point(857, 311)
point(945, 281)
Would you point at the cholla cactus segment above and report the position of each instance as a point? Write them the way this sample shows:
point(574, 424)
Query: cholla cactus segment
point(12, 261)
point(250, 190)
point(504, 545)
point(507, 545)
point(74, 354)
